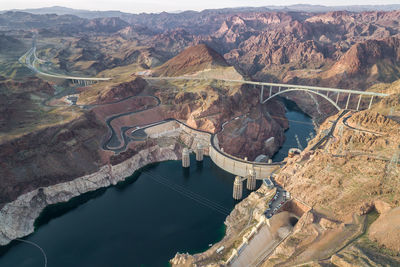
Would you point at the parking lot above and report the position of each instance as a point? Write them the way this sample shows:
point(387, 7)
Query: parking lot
point(276, 202)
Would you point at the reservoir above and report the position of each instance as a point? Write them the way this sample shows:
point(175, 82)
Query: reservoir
point(160, 210)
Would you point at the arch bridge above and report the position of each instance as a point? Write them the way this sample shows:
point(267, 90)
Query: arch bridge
point(332, 95)
point(339, 98)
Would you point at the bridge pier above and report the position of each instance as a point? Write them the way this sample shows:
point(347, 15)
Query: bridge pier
point(370, 102)
point(237, 188)
point(359, 101)
point(337, 97)
point(348, 100)
point(199, 152)
point(185, 158)
point(251, 180)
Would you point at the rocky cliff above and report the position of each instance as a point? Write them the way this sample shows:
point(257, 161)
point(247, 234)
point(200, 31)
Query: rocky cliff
point(191, 60)
point(17, 217)
point(349, 188)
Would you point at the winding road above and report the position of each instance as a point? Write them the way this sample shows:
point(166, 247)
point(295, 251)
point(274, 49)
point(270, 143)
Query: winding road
point(329, 134)
point(124, 138)
point(357, 129)
point(31, 65)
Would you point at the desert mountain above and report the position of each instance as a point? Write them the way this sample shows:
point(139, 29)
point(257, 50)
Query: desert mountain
point(64, 24)
point(108, 25)
point(193, 60)
point(40, 123)
point(379, 58)
point(8, 42)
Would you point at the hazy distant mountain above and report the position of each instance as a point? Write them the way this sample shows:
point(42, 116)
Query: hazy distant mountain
point(60, 24)
point(70, 11)
point(300, 7)
point(320, 8)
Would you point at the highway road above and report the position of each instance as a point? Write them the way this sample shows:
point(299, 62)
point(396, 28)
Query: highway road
point(113, 139)
point(289, 86)
point(31, 65)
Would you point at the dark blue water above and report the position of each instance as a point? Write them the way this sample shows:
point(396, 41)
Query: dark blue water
point(139, 222)
point(143, 221)
point(299, 124)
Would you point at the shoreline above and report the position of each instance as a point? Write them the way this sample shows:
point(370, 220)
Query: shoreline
point(17, 218)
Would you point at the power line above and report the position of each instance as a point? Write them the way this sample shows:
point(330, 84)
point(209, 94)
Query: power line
point(295, 121)
point(36, 245)
point(187, 193)
point(179, 187)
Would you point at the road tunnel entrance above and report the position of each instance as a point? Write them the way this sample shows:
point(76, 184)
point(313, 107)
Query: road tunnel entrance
point(293, 221)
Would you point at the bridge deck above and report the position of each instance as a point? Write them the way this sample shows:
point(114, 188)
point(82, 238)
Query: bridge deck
point(277, 85)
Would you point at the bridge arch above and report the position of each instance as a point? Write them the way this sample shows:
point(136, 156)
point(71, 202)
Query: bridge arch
point(304, 90)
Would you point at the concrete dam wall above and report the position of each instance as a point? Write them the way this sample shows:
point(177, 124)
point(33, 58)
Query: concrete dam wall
point(209, 142)
point(239, 166)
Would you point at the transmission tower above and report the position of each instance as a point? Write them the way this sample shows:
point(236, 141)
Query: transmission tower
point(315, 125)
point(340, 135)
point(350, 146)
point(394, 161)
point(298, 142)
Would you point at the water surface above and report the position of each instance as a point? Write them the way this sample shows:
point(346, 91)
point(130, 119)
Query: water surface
point(143, 221)
point(300, 124)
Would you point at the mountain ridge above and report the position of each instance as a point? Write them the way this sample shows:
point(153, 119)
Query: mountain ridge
point(191, 60)
point(90, 14)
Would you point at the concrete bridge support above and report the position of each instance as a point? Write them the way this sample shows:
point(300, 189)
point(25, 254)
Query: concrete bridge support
point(251, 180)
point(238, 188)
point(185, 158)
point(199, 152)
point(82, 82)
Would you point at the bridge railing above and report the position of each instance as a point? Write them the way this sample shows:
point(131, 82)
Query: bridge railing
point(317, 88)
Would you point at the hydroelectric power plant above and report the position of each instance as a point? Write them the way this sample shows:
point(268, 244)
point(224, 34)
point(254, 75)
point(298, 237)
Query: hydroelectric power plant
point(179, 139)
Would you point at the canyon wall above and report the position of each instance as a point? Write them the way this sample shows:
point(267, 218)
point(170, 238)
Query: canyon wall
point(17, 217)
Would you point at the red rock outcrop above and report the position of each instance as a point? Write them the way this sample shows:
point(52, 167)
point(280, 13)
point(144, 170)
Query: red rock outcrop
point(385, 230)
point(191, 60)
point(122, 90)
point(50, 156)
point(361, 57)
